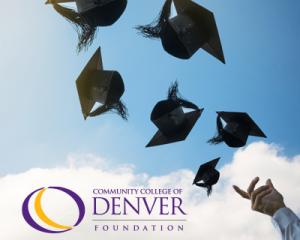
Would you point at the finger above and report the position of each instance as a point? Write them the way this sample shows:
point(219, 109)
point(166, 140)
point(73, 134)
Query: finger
point(269, 183)
point(241, 192)
point(257, 203)
point(252, 185)
point(258, 191)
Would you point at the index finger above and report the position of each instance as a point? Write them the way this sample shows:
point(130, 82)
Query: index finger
point(252, 185)
point(241, 192)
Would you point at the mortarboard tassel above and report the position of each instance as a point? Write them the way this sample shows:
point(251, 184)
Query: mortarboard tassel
point(173, 94)
point(208, 187)
point(86, 32)
point(118, 107)
point(209, 190)
point(121, 109)
point(218, 138)
point(153, 29)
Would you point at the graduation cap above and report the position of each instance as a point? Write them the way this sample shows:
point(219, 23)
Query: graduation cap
point(207, 175)
point(90, 14)
point(173, 123)
point(239, 125)
point(194, 27)
point(97, 85)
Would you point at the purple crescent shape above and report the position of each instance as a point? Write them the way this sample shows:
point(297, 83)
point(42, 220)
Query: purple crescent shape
point(32, 223)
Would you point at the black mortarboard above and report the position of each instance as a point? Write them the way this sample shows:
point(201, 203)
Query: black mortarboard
point(174, 125)
point(194, 27)
point(207, 175)
point(90, 14)
point(239, 126)
point(97, 85)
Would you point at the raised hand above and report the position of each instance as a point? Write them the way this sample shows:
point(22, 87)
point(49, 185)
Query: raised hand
point(265, 199)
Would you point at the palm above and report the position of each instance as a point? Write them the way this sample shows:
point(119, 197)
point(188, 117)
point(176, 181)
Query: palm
point(265, 199)
point(270, 202)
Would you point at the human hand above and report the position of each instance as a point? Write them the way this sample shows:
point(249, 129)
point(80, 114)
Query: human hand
point(265, 199)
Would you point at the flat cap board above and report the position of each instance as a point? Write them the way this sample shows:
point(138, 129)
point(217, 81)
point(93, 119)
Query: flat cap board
point(95, 63)
point(204, 16)
point(204, 168)
point(254, 128)
point(160, 139)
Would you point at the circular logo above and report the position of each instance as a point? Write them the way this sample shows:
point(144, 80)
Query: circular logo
point(42, 215)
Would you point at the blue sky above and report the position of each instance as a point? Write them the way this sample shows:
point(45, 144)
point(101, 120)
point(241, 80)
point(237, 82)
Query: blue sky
point(41, 121)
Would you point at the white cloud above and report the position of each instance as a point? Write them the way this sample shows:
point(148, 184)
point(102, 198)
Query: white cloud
point(222, 216)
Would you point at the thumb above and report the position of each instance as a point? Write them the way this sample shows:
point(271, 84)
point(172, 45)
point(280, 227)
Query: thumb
point(269, 183)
